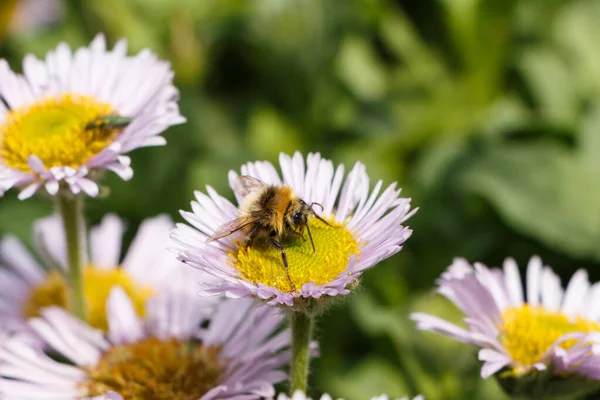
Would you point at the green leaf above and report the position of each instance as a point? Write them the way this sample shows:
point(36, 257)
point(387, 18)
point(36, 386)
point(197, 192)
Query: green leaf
point(359, 68)
point(543, 191)
point(589, 139)
point(550, 81)
point(16, 217)
point(371, 377)
point(577, 31)
point(269, 133)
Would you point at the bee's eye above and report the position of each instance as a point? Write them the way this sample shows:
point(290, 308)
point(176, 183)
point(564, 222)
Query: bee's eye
point(298, 218)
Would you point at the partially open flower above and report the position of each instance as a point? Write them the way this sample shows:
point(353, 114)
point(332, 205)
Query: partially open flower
point(166, 355)
point(549, 335)
point(147, 268)
point(76, 114)
point(292, 239)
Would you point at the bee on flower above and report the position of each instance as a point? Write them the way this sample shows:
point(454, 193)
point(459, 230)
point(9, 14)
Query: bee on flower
point(77, 113)
point(306, 235)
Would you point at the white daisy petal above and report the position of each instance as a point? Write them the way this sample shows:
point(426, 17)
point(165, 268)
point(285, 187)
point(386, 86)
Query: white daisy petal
point(105, 242)
point(575, 293)
point(534, 270)
point(552, 292)
point(15, 256)
point(123, 323)
point(513, 282)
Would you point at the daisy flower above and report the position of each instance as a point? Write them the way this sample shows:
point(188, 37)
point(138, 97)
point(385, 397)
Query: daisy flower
point(75, 114)
point(166, 355)
point(27, 286)
point(545, 329)
point(352, 228)
point(299, 395)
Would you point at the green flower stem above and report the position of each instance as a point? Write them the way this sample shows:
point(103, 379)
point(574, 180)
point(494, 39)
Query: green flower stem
point(302, 325)
point(70, 208)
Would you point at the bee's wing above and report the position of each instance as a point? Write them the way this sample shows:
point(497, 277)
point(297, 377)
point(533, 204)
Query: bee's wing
point(229, 228)
point(244, 184)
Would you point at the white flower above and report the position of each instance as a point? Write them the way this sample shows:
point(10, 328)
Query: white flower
point(145, 270)
point(364, 227)
point(548, 329)
point(65, 117)
point(239, 355)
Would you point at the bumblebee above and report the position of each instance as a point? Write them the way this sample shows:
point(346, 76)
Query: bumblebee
point(269, 211)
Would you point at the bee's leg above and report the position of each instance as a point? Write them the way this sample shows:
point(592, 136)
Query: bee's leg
point(252, 235)
point(302, 232)
point(284, 258)
point(291, 232)
point(311, 239)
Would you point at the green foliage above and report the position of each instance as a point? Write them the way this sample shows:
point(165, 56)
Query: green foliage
point(487, 112)
point(533, 186)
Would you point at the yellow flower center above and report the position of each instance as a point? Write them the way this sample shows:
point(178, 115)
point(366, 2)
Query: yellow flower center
point(157, 370)
point(56, 130)
point(528, 332)
point(97, 284)
point(263, 264)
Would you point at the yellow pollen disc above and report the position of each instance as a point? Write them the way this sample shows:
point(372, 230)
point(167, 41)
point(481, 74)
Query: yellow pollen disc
point(528, 332)
point(156, 370)
point(263, 264)
point(55, 130)
point(97, 284)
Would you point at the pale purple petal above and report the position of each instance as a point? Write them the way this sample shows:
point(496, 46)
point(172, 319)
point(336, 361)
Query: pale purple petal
point(534, 271)
point(105, 242)
point(471, 288)
point(123, 323)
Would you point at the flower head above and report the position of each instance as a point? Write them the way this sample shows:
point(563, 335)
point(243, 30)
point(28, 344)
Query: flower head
point(166, 355)
point(78, 113)
point(350, 227)
point(147, 268)
point(299, 395)
point(548, 331)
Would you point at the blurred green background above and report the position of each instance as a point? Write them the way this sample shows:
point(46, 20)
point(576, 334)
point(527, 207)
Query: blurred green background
point(486, 111)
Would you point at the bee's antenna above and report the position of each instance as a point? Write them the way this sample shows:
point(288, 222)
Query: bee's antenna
point(314, 203)
point(316, 215)
point(3, 100)
point(310, 236)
